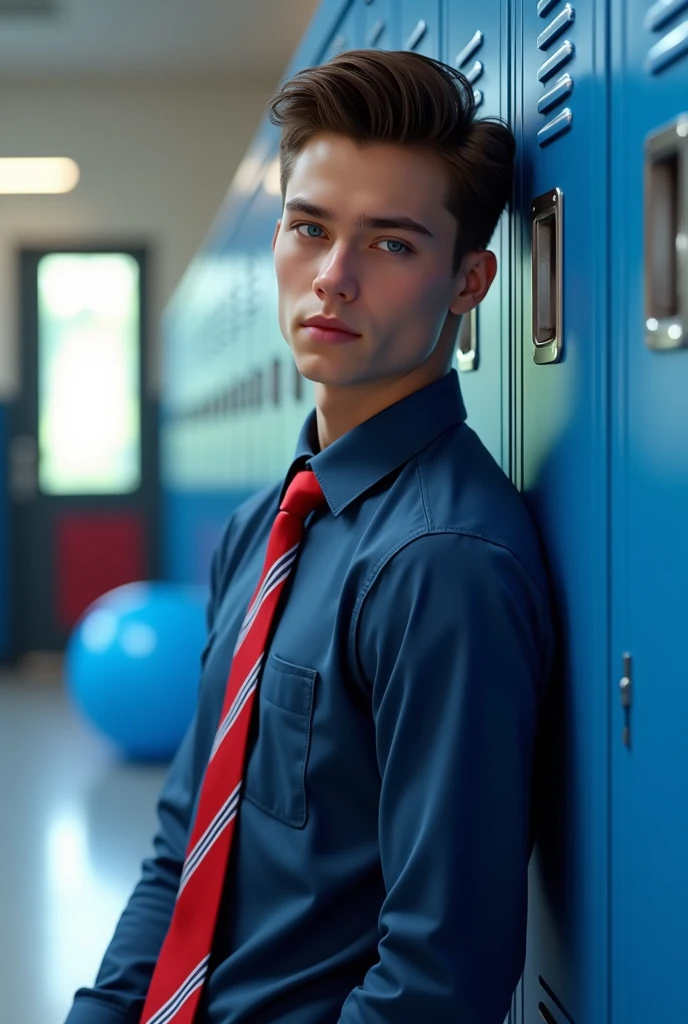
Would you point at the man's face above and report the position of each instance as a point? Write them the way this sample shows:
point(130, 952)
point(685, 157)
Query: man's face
point(391, 285)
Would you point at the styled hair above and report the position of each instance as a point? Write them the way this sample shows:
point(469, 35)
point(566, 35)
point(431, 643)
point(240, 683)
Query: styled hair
point(401, 97)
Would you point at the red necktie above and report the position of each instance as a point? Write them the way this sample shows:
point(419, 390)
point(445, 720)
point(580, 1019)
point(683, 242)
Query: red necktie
point(182, 965)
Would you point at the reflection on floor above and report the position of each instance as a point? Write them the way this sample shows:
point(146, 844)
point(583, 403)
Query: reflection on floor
point(77, 822)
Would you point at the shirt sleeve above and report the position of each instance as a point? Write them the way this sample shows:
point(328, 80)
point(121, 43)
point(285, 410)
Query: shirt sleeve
point(121, 985)
point(456, 641)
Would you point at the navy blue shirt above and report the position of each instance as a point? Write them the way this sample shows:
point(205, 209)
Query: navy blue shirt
point(379, 863)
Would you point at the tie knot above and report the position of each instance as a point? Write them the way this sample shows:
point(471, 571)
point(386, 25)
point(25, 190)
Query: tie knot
point(303, 496)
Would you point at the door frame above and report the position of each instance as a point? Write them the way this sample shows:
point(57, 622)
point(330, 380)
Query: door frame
point(22, 414)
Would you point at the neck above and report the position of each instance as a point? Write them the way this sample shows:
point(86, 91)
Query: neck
point(340, 408)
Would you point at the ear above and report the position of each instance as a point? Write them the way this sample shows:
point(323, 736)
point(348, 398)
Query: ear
point(473, 281)
point(274, 237)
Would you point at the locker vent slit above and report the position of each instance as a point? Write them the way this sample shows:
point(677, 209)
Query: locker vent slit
point(555, 999)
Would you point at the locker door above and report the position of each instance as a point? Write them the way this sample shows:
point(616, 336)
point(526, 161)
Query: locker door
point(348, 34)
point(420, 26)
point(475, 44)
point(562, 467)
point(263, 364)
point(650, 509)
point(236, 454)
point(275, 421)
point(380, 30)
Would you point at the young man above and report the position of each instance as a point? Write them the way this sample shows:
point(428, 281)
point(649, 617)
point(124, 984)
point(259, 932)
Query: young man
point(376, 866)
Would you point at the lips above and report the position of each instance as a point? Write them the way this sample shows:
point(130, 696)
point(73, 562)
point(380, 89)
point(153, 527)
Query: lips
point(329, 324)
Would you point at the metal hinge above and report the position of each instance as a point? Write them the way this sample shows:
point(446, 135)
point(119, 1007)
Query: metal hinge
point(626, 688)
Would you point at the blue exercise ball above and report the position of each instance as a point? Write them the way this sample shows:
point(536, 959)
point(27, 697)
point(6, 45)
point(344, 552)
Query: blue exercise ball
point(132, 665)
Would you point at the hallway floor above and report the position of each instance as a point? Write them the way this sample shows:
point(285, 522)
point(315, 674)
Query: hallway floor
point(77, 823)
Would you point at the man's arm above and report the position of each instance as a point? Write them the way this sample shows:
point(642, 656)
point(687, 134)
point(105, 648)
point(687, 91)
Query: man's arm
point(122, 983)
point(456, 641)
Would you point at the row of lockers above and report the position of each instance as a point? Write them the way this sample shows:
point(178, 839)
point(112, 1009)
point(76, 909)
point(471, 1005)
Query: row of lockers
point(575, 375)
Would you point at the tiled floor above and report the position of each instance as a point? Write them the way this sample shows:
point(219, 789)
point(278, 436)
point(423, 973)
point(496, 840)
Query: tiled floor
point(77, 822)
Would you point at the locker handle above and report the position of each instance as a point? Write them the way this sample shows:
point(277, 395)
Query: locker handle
point(666, 236)
point(416, 36)
point(547, 276)
point(375, 33)
point(467, 349)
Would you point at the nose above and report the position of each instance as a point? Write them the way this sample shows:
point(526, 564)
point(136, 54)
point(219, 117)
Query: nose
point(336, 277)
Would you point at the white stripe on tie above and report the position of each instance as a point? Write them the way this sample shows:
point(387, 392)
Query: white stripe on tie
point(273, 568)
point(174, 1004)
point(279, 571)
point(242, 696)
point(283, 573)
point(269, 581)
point(210, 836)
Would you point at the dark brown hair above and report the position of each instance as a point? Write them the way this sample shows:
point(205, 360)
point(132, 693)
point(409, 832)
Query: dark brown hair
point(408, 99)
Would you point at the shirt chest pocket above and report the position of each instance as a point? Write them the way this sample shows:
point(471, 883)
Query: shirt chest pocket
point(275, 778)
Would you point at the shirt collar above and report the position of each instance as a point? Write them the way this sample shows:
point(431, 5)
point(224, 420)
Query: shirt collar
point(360, 458)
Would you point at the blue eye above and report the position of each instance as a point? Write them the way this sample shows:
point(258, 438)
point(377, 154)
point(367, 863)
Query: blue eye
point(404, 250)
point(314, 227)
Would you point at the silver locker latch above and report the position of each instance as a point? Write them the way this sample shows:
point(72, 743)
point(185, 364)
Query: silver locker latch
point(666, 236)
point(547, 276)
point(626, 688)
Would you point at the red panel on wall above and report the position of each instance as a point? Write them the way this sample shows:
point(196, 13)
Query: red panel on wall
point(93, 554)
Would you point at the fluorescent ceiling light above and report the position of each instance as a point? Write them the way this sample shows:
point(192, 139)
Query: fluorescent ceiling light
point(36, 175)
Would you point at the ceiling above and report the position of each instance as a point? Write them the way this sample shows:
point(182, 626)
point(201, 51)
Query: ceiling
point(252, 40)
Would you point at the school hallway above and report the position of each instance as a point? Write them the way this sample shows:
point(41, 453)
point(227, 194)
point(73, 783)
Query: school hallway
point(77, 823)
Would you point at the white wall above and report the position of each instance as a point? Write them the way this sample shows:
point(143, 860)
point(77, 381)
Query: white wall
point(156, 160)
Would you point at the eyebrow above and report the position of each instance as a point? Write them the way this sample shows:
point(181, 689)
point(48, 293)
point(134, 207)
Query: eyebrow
point(363, 221)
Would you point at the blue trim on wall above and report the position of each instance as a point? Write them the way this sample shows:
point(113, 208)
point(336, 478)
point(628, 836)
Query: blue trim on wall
point(191, 525)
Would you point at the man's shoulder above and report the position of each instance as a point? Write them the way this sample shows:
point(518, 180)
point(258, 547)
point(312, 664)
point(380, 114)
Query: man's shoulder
point(246, 520)
point(254, 508)
point(465, 491)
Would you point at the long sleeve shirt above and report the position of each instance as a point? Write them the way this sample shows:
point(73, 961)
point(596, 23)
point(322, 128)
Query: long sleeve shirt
point(378, 872)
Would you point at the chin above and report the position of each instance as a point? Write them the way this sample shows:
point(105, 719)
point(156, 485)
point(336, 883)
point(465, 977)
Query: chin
point(310, 370)
point(319, 370)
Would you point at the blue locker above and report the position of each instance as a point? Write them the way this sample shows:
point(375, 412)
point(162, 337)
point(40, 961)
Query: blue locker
point(561, 436)
point(348, 33)
point(420, 26)
point(380, 25)
point(649, 222)
point(476, 42)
